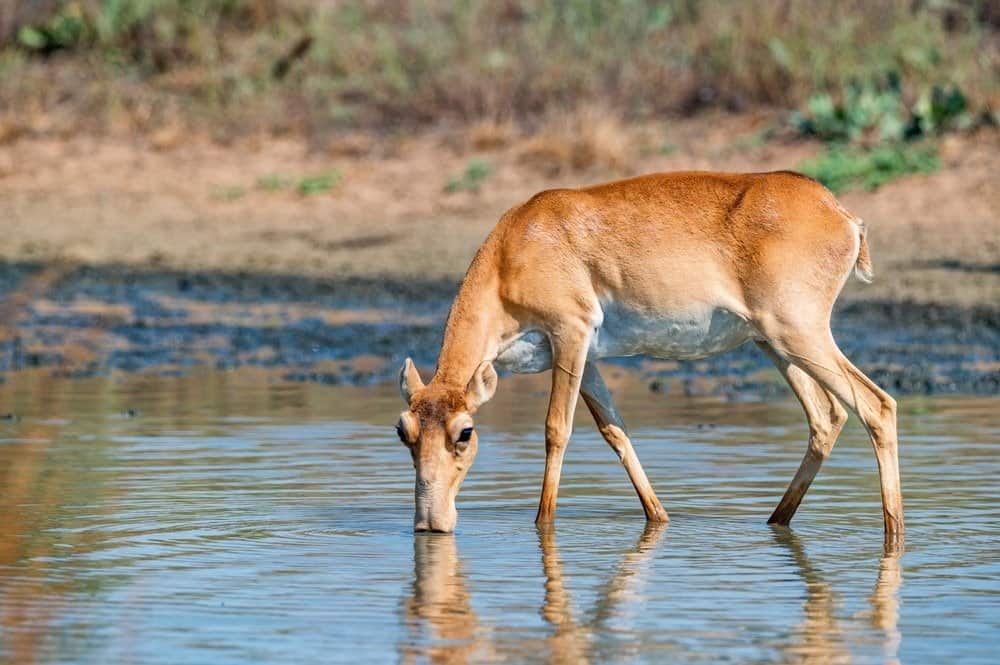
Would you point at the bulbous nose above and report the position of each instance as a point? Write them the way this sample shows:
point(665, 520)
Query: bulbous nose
point(440, 519)
point(423, 527)
point(445, 524)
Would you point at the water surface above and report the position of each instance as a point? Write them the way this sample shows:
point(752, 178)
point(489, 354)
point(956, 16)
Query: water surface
point(235, 517)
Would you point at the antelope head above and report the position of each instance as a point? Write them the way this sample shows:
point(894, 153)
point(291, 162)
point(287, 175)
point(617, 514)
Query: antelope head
point(437, 429)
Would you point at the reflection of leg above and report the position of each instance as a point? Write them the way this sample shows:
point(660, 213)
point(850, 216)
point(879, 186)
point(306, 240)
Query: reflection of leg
point(826, 417)
point(885, 602)
point(556, 609)
point(570, 641)
point(598, 399)
point(820, 638)
point(630, 577)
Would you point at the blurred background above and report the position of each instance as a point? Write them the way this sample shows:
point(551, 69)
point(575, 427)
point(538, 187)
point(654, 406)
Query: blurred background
point(235, 67)
point(355, 153)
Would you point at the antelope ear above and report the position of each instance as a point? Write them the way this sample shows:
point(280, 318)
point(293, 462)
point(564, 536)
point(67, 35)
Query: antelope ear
point(481, 386)
point(409, 380)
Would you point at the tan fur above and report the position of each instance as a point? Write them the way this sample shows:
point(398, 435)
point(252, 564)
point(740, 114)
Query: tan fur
point(863, 269)
point(773, 249)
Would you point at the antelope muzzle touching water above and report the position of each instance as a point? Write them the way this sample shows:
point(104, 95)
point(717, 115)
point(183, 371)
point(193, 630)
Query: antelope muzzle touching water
point(673, 266)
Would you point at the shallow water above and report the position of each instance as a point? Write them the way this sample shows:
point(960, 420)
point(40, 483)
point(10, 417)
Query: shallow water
point(234, 517)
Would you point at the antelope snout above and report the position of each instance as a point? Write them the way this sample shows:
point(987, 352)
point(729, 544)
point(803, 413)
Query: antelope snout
point(433, 528)
point(441, 521)
point(434, 514)
point(439, 526)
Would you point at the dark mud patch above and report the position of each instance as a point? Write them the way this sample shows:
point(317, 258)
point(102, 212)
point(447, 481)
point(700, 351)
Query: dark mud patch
point(357, 330)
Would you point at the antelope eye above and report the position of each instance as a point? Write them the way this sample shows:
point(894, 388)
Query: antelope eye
point(401, 433)
point(465, 435)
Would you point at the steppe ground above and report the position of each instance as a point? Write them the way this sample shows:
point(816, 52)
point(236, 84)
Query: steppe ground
point(179, 201)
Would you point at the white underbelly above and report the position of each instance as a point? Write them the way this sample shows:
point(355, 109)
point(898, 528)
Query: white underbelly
point(528, 353)
point(686, 335)
point(689, 335)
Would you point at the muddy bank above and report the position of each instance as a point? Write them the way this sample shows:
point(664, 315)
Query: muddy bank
point(91, 321)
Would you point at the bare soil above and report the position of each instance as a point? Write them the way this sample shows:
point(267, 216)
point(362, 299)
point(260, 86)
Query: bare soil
point(182, 203)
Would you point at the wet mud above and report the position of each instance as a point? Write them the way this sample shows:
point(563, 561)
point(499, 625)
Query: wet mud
point(85, 321)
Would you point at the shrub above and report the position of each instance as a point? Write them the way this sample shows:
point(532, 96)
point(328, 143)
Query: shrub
point(842, 167)
point(878, 111)
point(64, 30)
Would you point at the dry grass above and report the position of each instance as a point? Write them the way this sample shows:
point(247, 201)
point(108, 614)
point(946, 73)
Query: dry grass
point(491, 134)
point(244, 66)
point(584, 139)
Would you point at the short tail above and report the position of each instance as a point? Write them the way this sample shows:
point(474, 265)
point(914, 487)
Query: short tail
point(863, 265)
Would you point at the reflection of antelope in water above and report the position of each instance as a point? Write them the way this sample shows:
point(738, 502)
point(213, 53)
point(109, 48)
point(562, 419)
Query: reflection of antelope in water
point(571, 641)
point(885, 602)
point(441, 602)
point(820, 637)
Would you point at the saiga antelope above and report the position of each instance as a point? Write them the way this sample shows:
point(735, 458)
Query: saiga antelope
point(673, 265)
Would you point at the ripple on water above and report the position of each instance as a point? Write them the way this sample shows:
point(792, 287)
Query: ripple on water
point(237, 530)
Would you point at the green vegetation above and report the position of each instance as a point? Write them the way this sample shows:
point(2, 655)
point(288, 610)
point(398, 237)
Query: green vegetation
point(318, 184)
point(292, 65)
point(62, 31)
point(880, 110)
point(874, 135)
point(307, 185)
point(842, 167)
point(469, 180)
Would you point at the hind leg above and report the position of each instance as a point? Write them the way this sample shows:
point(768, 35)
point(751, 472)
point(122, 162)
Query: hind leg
point(812, 349)
point(826, 417)
point(598, 399)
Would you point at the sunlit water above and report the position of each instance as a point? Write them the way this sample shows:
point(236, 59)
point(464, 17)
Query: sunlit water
point(233, 517)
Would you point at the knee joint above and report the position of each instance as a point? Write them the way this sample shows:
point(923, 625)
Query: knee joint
point(556, 436)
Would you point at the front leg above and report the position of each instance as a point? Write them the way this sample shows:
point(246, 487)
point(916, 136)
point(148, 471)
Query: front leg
point(569, 355)
point(609, 422)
